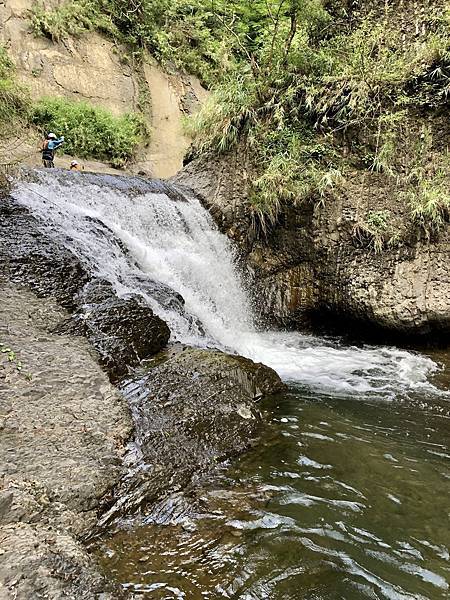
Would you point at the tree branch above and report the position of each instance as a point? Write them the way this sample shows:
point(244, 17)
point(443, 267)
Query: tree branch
point(275, 30)
point(292, 32)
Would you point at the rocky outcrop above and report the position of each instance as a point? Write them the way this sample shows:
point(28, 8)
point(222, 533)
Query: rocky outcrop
point(41, 563)
point(63, 433)
point(207, 397)
point(122, 330)
point(317, 265)
point(193, 411)
point(64, 428)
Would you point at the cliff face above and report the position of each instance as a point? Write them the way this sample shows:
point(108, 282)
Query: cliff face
point(355, 252)
point(318, 263)
point(94, 69)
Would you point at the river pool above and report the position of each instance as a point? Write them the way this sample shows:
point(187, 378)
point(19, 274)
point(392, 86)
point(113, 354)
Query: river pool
point(347, 498)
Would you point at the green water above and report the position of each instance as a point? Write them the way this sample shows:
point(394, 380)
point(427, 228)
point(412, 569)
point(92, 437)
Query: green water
point(346, 499)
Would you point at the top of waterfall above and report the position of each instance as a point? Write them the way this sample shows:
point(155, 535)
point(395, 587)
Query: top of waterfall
point(131, 185)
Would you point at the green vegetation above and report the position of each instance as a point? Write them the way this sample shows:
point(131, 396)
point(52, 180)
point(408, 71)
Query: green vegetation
point(14, 100)
point(310, 82)
point(428, 184)
point(11, 356)
point(376, 231)
point(73, 18)
point(309, 90)
point(90, 131)
point(430, 200)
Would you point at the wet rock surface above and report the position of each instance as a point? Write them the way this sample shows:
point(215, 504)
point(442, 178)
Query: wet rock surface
point(63, 433)
point(39, 564)
point(29, 256)
point(314, 268)
point(193, 411)
point(122, 330)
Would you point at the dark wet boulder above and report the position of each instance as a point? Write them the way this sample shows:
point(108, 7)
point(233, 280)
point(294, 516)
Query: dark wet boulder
point(169, 299)
point(29, 256)
point(200, 406)
point(122, 330)
point(193, 411)
point(95, 292)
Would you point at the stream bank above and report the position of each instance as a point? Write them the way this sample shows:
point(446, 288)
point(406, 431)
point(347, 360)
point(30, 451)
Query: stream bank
point(63, 433)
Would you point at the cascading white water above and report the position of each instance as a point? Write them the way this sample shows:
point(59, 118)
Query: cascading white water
point(177, 244)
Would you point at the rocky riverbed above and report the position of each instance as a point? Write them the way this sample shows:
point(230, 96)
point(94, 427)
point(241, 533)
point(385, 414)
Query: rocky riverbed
point(63, 434)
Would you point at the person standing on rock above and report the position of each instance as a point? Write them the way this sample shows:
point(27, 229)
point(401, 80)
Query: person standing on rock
point(49, 147)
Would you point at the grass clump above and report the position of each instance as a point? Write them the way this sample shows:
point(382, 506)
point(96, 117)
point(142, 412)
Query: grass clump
point(429, 200)
point(427, 184)
point(297, 169)
point(14, 99)
point(376, 231)
point(91, 132)
point(69, 19)
point(230, 111)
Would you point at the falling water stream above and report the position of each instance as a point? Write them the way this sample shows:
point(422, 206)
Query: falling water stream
point(347, 498)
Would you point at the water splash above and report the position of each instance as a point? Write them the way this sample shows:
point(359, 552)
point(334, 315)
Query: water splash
point(166, 236)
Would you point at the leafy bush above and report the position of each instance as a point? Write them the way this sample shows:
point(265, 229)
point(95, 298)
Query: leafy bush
point(91, 131)
point(72, 18)
point(6, 64)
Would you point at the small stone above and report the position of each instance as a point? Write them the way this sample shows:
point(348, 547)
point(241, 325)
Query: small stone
point(244, 412)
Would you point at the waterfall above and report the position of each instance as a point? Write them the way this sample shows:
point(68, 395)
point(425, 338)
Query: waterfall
point(131, 231)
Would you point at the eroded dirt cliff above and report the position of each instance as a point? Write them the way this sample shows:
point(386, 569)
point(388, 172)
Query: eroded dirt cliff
point(95, 69)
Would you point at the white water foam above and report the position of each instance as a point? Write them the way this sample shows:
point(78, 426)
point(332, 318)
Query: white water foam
point(177, 244)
